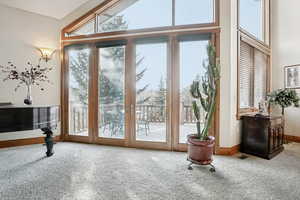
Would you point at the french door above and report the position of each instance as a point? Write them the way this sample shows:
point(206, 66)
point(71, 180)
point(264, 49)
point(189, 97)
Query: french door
point(134, 92)
point(77, 95)
point(150, 99)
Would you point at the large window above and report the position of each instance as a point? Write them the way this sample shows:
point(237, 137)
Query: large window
point(124, 15)
point(128, 67)
point(254, 51)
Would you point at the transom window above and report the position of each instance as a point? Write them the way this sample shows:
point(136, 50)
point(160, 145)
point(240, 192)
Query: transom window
point(254, 18)
point(136, 14)
point(124, 15)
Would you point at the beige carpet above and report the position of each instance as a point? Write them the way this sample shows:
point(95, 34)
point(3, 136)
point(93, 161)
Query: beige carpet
point(80, 171)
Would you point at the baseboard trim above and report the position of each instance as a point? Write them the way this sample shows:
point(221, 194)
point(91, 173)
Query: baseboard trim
point(292, 138)
point(23, 142)
point(228, 151)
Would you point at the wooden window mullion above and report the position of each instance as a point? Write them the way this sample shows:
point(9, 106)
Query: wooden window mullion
point(252, 93)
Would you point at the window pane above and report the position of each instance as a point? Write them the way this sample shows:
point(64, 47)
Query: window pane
point(78, 91)
point(245, 74)
point(251, 17)
point(194, 11)
point(111, 92)
point(192, 55)
point(151, 92)
point(136, 14)
point(260, 77)
point(86, 29)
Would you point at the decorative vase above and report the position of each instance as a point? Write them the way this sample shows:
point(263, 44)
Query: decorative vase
point(28, 99)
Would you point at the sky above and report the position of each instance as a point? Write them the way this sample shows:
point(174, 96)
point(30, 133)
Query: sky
point(250, 17)
point(146, 14)
point(192, 53)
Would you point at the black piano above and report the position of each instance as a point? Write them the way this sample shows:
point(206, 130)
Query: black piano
point(23, 118)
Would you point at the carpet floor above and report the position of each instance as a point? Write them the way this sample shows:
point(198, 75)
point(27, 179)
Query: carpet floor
point(93, 172)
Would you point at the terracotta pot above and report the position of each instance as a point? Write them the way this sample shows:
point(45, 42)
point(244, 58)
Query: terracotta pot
point(200, 151)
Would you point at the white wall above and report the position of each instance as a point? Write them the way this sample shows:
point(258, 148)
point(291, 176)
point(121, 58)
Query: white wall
point(229, 126)
point(21, 32)
point(286, 51)
point(80, 12)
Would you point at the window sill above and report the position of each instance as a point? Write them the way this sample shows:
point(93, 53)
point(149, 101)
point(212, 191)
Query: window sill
point(245, 111)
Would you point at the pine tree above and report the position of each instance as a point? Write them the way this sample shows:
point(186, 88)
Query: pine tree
point(110, 92)
point(139, 76)
point(79, 72)
point(160, 98)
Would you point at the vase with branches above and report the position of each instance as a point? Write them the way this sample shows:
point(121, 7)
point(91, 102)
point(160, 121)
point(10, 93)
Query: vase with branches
point(32, 75)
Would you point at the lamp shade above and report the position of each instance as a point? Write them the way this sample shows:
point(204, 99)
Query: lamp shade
point(46, 53)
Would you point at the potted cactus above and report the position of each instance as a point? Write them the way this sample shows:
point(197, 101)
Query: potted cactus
point(201, 145)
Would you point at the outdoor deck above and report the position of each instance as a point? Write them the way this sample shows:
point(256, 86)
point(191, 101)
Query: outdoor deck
point(155, 133)
point(150, 122)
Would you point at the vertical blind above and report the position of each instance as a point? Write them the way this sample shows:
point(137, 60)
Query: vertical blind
point(252, 76)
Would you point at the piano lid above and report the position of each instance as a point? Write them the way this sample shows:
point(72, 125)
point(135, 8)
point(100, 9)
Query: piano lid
point(7, 105)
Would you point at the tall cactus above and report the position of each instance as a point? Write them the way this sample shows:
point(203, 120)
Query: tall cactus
point(205, 91)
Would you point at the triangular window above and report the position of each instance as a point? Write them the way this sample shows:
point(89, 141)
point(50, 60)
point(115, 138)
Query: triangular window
point(124, 15)
point(86, 29)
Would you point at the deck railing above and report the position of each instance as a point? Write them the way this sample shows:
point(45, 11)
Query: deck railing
point(78, 116)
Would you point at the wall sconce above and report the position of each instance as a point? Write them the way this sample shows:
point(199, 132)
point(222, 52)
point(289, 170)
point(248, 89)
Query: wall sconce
point(46, 53)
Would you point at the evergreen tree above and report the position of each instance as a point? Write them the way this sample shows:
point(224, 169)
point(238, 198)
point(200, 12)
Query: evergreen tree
point(160, 98)
point(79, 74)
point(139, 76)
point(110, 91)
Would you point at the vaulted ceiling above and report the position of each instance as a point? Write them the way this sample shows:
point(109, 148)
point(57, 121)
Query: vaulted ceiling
point(52, 8)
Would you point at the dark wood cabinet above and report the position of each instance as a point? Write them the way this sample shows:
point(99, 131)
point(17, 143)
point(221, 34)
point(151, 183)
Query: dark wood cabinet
point(262, 136)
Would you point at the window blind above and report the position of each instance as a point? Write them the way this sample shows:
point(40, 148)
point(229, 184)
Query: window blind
point(245, 75)
point(252, 76)
point(260, 77)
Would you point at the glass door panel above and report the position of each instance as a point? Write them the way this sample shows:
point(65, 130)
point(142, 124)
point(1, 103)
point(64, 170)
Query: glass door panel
point(192, 54)
point(151, 92)
point(78, 91)
point(111, 94)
